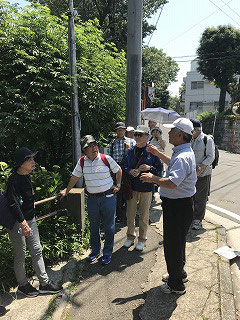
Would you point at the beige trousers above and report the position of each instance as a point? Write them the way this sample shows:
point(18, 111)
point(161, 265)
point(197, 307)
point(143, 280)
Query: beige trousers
point(142, 201)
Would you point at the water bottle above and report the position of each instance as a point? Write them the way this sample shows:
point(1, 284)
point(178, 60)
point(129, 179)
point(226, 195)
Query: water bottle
point(20, 231)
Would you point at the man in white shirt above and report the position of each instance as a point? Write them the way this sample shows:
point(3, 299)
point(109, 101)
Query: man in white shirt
point(101, 202)
point(204, 155)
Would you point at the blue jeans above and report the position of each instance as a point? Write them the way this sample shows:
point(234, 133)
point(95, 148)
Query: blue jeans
point(102, 209)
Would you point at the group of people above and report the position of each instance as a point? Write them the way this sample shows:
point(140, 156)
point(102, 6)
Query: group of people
point(118, 184)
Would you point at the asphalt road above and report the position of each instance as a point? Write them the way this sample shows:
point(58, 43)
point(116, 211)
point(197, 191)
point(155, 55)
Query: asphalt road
point(225, 185)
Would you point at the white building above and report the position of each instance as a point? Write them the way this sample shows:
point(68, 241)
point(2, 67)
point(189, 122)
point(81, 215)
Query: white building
point(201, 95)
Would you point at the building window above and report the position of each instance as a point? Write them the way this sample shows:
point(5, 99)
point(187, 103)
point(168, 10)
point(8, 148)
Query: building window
point(197, 85)
point(195, 106)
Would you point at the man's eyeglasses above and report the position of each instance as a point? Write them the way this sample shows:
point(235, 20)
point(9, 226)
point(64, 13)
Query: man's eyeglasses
point(92, 145)
point(138, 134)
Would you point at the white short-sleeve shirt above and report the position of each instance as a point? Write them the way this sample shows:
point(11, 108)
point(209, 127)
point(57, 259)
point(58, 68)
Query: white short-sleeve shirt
point(96, 174)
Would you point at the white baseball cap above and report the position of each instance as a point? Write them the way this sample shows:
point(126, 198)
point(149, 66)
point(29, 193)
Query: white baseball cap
point(143, 129)
point(182, 124)
point(130, 129)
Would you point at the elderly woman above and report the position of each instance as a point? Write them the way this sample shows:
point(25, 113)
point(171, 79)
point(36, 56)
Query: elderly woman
point(157, 140)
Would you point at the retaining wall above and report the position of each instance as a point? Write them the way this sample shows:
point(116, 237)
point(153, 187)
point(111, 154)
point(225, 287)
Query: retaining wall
point(224, 133)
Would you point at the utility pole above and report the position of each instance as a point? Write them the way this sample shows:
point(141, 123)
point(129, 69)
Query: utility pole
point(76, 121)
point(134, 63)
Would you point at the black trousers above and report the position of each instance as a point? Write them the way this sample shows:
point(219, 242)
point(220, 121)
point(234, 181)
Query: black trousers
point(177, 218)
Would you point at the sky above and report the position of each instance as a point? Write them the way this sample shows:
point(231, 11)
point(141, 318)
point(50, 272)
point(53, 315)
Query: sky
point(180, 27)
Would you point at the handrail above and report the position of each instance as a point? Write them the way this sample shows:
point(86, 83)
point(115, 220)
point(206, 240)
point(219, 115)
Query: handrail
point(48, 215)
point(51, 214)
point(45, 200)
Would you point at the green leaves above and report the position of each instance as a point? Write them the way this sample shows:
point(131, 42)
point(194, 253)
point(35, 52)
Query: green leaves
point(35, 83)
point(219, 57)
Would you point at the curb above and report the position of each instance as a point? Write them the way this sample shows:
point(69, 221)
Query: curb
point(223, 213)
point(227, 304)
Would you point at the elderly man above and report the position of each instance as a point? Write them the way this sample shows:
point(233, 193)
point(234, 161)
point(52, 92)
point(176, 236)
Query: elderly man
point(204, 153)
point(176, 190)
point(136, 161)
point(130, 132)
point(117, 150)
point(101, 203)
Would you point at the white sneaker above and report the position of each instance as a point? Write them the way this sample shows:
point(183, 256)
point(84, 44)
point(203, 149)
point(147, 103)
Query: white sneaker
point(197, 225)
point(140, 246)
point(128, 243)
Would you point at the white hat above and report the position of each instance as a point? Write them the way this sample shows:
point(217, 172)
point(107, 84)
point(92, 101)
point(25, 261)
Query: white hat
point(182, 124)
point(143, 129)
point(130, 129)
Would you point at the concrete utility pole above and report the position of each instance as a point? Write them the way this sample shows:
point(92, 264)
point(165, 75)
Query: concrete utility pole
point(76, 121)
point(134, 63)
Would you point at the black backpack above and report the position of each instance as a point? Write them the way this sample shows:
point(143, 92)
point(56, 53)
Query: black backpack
point(216, 159)
point(6, 218)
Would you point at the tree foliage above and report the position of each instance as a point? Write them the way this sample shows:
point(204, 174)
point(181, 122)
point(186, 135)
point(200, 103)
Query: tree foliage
point(219, 57)
point(161, 70)
point(112, 15)
point(35, 85)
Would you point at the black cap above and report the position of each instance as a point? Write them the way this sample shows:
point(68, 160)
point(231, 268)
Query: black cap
point(120, 125)
point(196, 123)
point(86, 140)
point(20, 155)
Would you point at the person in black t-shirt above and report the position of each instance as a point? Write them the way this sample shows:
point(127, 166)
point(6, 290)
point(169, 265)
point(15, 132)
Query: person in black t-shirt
point(20, 198)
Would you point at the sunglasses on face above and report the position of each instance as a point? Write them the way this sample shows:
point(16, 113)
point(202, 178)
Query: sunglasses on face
point(138, 134)
point(92, 145)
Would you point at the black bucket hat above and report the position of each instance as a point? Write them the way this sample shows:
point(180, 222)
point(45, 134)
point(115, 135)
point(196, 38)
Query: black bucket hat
point(21, 155)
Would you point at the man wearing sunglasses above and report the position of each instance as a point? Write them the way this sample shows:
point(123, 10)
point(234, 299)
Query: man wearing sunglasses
point(101, 202)
point(137, 161)
point(177, 188)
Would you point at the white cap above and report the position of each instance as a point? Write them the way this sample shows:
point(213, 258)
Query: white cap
point(130, 129)
point(182, 124)
point(143, 129)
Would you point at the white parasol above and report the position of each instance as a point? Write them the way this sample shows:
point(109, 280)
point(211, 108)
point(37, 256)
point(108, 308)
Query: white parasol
point(159, 115)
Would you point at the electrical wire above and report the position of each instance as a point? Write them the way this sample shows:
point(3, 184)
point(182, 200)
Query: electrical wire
point(181, 34)
point(210, 59)
point(231, 8)
point(156, 24)
point(224, 12)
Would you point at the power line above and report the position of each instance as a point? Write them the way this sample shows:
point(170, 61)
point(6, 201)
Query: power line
point(225, 13)
point(156, 24)
point(230, 8)
point(208, 54)
point(195, 24)
point(210, 59)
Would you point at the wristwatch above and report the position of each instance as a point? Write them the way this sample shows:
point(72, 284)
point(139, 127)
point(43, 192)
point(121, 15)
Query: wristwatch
point(119, 185)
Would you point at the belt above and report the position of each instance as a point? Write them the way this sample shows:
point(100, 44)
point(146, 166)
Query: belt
point(101, 194)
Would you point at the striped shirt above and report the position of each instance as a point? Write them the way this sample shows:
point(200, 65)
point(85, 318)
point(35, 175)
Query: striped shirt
point(117, 148)
point(96, 174)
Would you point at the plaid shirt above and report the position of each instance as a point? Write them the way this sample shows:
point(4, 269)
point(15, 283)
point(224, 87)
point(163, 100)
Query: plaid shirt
point(117, 148)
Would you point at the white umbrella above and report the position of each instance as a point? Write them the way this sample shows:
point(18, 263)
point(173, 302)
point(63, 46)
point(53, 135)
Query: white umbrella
point(160, 115)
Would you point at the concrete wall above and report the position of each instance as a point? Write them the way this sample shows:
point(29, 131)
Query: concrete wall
point(224, 133)
point(205, 98)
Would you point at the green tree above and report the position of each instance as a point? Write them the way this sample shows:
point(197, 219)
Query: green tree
point(219, 58)
point(112, 15)
point(35, 88)
point(161, 70)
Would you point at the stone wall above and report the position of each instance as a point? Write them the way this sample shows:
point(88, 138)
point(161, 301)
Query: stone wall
point(224, 132)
